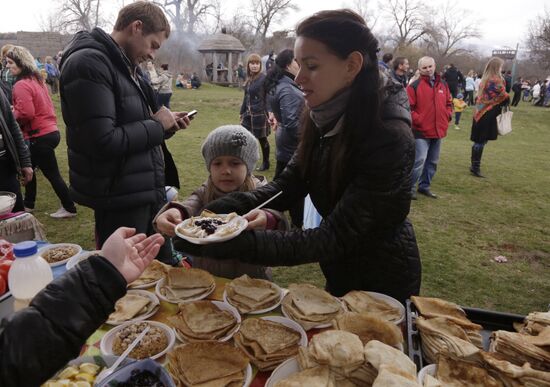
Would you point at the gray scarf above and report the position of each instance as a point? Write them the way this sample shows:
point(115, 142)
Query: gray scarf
point(330, 111)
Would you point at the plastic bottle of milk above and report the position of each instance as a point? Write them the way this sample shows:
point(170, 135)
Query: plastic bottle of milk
point(29, 273)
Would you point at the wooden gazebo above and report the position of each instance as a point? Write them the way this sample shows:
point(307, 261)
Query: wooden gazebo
point(219, 53)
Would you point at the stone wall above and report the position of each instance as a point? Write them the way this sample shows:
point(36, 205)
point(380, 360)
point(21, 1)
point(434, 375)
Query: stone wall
point(40, 44)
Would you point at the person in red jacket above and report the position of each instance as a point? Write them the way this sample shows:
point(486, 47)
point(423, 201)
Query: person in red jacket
point(34, 111)
point(431, 111)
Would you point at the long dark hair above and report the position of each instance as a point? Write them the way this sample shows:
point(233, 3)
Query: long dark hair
point(284, 58)
point(362, 112)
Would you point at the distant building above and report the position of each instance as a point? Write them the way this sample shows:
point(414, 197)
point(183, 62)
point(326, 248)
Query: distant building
point(40, 44)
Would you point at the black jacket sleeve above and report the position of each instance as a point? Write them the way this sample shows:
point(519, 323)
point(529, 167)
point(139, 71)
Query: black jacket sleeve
point(39, 340)
point(93, 113)
point(19, 147)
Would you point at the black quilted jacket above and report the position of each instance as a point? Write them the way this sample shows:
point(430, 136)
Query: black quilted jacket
point(365, 240)
point(114, 146)
point(39, 340)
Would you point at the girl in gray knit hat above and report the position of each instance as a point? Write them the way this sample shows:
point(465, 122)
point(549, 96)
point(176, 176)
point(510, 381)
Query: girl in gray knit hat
point(230, 153)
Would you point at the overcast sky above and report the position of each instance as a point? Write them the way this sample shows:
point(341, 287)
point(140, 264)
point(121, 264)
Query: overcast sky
point(504, 22)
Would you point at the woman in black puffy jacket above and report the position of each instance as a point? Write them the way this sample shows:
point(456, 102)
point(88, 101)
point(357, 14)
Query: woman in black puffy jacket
point(286, 101)
point(354, 159)
point(253, 109)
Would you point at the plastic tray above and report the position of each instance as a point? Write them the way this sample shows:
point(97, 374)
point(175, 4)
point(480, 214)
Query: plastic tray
point(489, 320)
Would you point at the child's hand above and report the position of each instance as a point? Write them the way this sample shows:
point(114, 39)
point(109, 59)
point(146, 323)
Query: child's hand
point(168, 220)
point(257, 220)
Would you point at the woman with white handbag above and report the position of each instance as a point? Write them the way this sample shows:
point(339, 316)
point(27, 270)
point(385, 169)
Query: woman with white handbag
point(490, 99)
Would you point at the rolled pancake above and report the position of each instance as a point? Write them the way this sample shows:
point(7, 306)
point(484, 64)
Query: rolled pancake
point(390, 376)
point(378, 353)
point(337, 349)
point(457, 373)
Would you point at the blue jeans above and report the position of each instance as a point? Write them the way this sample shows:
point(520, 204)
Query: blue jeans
point(457, 117)
point(425, 162)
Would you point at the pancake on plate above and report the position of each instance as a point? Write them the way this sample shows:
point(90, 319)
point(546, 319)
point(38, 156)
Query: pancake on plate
point(208, 363)
point(131, 306)
point(267, 343)
point(184, 284)
point(152, 273)
point(310, 306)
point(252, 294)
point(361, 301)
point(202, 320)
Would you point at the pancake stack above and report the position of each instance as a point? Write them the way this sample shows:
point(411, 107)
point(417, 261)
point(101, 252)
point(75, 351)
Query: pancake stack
point(267, 343)
point(202, 320)
point(310, 306)
point(183, 285)
point(250, 295)
point(208, 363)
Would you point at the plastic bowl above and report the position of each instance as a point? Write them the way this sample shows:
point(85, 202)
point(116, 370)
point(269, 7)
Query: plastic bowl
point(7, 202)
point(124, 373)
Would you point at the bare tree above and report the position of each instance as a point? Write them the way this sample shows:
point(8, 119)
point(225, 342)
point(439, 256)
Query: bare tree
point(408, 20)
point(186, 14)
point(362, 8)
point(451, 27)
point(538, 39)
point(265, 13)
point(76, 15)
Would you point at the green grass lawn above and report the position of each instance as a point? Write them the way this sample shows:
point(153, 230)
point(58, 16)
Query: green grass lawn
point(459, 234)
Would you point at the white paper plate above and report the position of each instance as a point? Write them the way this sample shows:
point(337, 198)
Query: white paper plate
point(282, 293)
point(161, 283)
point(429, 370)
point(80, 257)
point(290, 324)
point(106, 344)
point(283, 371)
point(223, 306)
point(247, 376)
point(319, 326)
point(241, 222)
point(154, 299)
point(44, 249)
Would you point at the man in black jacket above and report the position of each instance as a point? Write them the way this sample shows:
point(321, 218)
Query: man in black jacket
point(115, 134)
point(15, 158)
point(454, 78)
point(37, 341)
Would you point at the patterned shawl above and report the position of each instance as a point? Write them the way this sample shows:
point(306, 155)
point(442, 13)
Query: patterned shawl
point(491, 94)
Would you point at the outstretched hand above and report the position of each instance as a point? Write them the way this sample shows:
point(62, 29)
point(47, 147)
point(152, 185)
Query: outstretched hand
point(131, 253)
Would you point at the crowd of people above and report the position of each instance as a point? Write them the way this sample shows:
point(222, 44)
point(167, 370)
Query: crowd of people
point(360, 136)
